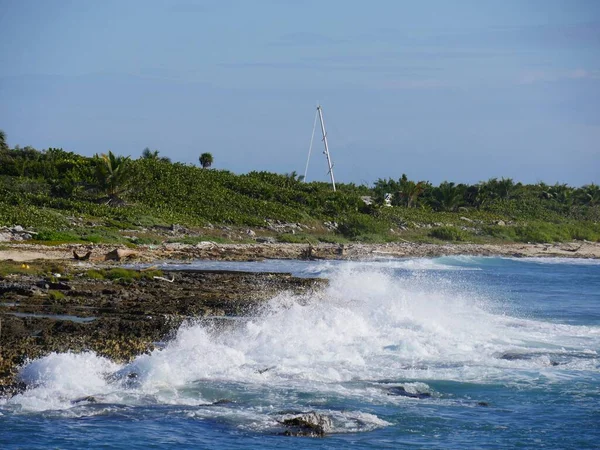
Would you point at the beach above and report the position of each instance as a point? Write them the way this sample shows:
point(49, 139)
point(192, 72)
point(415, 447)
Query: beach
point(243, 252)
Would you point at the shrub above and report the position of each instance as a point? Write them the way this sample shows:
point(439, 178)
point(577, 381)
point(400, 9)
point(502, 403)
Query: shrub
point(356, 225)
point(57, 236)
point(296, 238)
point(449, 234)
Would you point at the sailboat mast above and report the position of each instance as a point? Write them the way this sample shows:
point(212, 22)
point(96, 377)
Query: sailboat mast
point(329, 165)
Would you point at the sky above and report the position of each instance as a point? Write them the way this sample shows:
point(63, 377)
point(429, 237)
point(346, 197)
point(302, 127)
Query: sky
point(440, 90)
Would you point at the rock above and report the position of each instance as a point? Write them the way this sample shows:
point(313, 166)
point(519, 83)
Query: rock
point(484, 404)
point(119, 254)
point(17, 228)
point(266, 369)
point(60, 286)
point(310, 424)
point(266, 240)
point(402, 392)
point(9, 390)
point(500, 223)
point(331, 226)
point(176, 228)
point(223, 401)
point(88, 399)
point(250, 233)
point(85, 257)
point(466, 219)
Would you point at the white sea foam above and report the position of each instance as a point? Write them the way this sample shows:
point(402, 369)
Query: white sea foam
point(568, 261)
point(368, 325)
point(58, 379)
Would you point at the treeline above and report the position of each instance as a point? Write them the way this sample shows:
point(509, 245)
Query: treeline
point(45, 188)
point(449, 196)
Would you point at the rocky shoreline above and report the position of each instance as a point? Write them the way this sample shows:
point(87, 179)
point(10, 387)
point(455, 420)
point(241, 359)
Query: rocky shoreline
point(120, 317)
point(71, 299)
point(249, 252)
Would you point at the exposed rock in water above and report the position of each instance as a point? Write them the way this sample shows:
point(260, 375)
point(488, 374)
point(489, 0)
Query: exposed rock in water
point(309, 424)
point(9, 390)
point(88, 399)
point(223, 401)
point(402, 392)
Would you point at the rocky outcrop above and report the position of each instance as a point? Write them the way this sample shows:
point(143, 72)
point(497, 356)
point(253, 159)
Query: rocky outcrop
point(122, 318)
point(16, 233)
point(308, 424)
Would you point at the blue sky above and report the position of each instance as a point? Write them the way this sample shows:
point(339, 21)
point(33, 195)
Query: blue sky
point(439, 90)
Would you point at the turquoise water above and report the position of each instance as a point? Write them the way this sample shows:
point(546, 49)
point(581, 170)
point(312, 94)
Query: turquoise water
point(504, 353)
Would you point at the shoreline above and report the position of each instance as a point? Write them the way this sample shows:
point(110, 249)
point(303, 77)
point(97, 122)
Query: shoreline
point(101, 253)
point(122, 315)
point(42, 311)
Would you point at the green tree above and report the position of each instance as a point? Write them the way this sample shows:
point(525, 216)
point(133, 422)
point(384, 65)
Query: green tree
point(590, 194)
point(447, 197)
point(153, 154)
point(3, 144)
point(206, 160)
point(404, 192)
point(112, 176)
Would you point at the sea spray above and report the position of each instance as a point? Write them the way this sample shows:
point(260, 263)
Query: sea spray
point(367, 325)
point(55, 380)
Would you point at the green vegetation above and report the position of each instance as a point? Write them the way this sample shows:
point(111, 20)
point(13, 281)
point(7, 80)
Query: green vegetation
point(122, 274)
point(66, 197)
point(55, 296)
point(206, 160)
point(449, 234)
point(48, 268)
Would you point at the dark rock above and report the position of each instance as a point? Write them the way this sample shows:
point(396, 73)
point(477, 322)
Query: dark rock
point(42, 285)
point(266, 369)
point(484, 404)
point(88, 399)
point(60, 286)
point(401, 392)
point(129, 318)
point(223, 401)
point(10, 390)
point(85, 257)
point(310, 424)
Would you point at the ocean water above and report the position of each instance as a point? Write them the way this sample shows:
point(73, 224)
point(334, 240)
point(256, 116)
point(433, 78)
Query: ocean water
point(502, 353)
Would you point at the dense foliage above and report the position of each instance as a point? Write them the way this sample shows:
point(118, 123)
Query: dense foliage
point(52, 190)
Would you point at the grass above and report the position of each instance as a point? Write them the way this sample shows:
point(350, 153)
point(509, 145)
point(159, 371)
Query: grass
point(37, 268)
point(55, 296)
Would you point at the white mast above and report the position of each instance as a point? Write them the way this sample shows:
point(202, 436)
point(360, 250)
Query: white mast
point(329, 165)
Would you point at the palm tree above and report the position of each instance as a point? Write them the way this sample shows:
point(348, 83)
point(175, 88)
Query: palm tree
point(590, 194)
point(112, 176)
point(206, 160)
point(149, 154)
point(562, 193)
point(153, 155)
point(3, 144)
point(447, 196)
